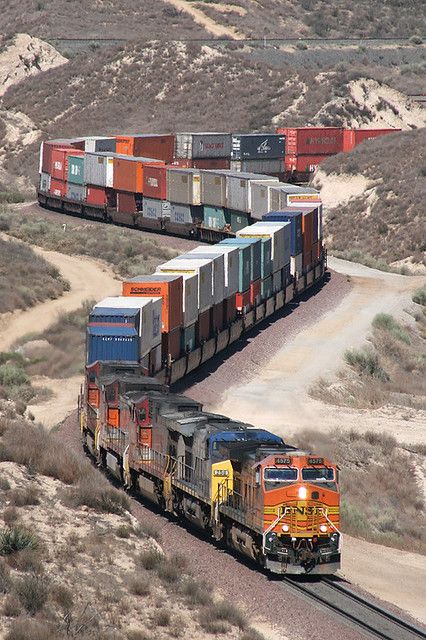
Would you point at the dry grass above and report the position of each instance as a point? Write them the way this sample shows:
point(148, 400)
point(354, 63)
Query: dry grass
point(26, 278)
point(372, 464)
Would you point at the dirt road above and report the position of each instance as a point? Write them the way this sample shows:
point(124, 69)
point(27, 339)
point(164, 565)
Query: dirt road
point(208, 23)
point(89, 279)
point(317, 351)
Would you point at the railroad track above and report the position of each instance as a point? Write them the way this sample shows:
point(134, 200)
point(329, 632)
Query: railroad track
point(364, 614)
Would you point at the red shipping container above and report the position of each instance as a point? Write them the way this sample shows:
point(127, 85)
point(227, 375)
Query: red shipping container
point(184, 163)
point(307, 259)
point(229, 310)
point(157, 146)
point(124, 145)
point(126, 202)
point(170, 289)
point(96, 195)
point(348, 139)
point(211, 163)
point(368, 134)
point(242, 300)
point(49, 145)
point(216, 317)
point(58, 187)
point(59, 163)
point(313, 140)
point(309, 164)
point(307, 231)
point(170, 345)
point(155, 181)
point(255, 292)
point(202, 327)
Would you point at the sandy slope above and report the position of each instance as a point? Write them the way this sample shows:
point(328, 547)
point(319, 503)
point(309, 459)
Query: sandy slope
point(205, 21)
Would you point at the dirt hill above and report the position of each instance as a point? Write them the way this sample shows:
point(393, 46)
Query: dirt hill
point(377, 203)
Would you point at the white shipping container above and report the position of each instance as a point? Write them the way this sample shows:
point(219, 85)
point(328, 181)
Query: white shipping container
point(155, 209)
point(99, 169)
point(261, 198)
point(155, 359)
point(231, 257)
point(183, 186)
point(44, 182)
point(238, 191)
point(296, 264)
point(180, 213)
point(190, 295)
point(150, 317)
point(218, 279)
point(275, 231)
point(204, 270)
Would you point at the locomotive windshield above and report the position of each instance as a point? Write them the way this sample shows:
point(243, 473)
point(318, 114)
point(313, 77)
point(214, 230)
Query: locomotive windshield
point(318, 474)
point(280, 475)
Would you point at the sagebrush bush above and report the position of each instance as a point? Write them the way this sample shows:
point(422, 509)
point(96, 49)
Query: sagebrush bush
point(151, 559)
point(96, 493)
point(419, 296)
point(366, 361)
point(23, 497)
point(33, 592)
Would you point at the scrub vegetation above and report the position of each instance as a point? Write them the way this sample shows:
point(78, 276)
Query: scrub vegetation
point(395, 227)
point(373, 464)
point(391, 369)
point(127, 253)
point(132, 589)
point(25, 277)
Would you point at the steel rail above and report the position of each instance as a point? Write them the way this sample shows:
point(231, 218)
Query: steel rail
point(398, 622)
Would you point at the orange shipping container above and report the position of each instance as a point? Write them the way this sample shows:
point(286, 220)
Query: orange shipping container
point(167, 287)
point(307, 231)
point(128, 173)
point(124, 144)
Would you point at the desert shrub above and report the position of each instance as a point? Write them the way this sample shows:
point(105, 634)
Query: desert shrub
point(388, 323)
point(222, 612)
point(16, 538)
point(30, 629)
point(33, 592)
point(195, 592)
point(4, 484)
point(28, 560)
point(366, 361)
point(96, 493)
point(162, 618)
point(419, 296)
point(251, 634)
point(151, 559)
point(148, 530)
point(169, 573)
point(123, 531)
point(12, 375)
point(12, 607)
point(140, 585)
point(23, 497)
point(10, 515)
point(5, 581)
point(62, 596)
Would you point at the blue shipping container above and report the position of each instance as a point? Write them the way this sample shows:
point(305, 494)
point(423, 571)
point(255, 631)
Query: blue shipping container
point(110, 344)
point(255, 245)
point(111, 315)
point(244, 267)
point(295, 219)
point(214, 217)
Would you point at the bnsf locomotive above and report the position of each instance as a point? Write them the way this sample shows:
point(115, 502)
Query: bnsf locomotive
point(240, 484)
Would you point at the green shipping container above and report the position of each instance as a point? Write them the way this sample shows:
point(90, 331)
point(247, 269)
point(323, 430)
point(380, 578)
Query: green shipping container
point(236, 219)
point(266, 288)
point(266, 259)
point(214, 217)
point(76, 169)
point(187, 339)
point(244, 267)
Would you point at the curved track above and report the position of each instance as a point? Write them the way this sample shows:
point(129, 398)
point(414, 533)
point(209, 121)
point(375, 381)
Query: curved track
point(372, 618)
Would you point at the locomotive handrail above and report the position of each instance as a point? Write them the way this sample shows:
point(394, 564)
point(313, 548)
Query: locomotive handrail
point(269, 529)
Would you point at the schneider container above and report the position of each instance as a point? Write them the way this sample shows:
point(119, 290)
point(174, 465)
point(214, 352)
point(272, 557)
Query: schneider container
point(167, 287)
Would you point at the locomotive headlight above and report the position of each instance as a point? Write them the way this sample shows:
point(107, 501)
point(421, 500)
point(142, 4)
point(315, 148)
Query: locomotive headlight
point(323, 528)
point(285, 528)
point(303, 492)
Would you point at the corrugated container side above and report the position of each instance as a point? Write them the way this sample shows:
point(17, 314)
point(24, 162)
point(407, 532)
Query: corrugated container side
point(277, 281)
point(211, 163)
point(309, 164)
point(266, 288)
point(229, 310)
point(276, 232)
point(107, 344)
point(216, 318)
point(213, 217)
point(125, 145)
point(128, 173)
point(76, 192)
point(76, 169)
point(258, 166)
point(188, 263)
point(261, 193)
point(58, 188)
point(171, 345)
point(180, 213)
point(203, 327)
point(236, 219)
point(155, 209)
point(100, 143)
point(203, 145)
point(155, 182)
point(218, 277)
point(313, 140)
point(156, 146)
point(296, 264)
point(169, 288)
point(183, 186)
point(95, 170)
point(46, 152)
point(254, 146)
point(126, 202)
point(196, 285)
point(295, 219)
point(231, 257)
point(188, 339)
point(255, 245)
point(213, 188)
point(244, 263)
point(368, 134)
point(44, 184)
point(96, 195)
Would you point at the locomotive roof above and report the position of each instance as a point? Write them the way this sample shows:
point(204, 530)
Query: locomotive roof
point(134, 378)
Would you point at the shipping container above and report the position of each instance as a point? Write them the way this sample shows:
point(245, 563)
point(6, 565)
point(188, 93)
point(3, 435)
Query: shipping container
point(188, 339)
point(294, 217)
point(213, 188)
point(213, 217)
point(280, 237)
point(242, 301)
point(103, 315)
point(59, 167)
point(96, 195)
point(180, 213)
point(307, 230)
point(255, 146)
point(154, 181)
point(125, 145)
point(155, 360)
point(255, 245)
point(203, 269)
point(190, 295)
point(47, 148)
point(126, 204)
point(99, 169)
point(236, 219)
point(216, 318)
point(312, 140)
point(167, 287)
point(112, 344)
point(231, 257)
point(261, 198)
point(128, 172)
point(158, 146)
point(95, 144)
point(211, 163)
point(267, 167)
point(284, 196)
point(76, 192)
point(203, 327)
point(203, 145)
point(218, 275)
point(76, 169)
point(309, 164)
point(171, 344)
point(360, 135)
point(150, 317)
point(244, 263)
point(238, 192)
point(255, 292)
point(287, 278)
point(296, 264)
point(277, 281)
point(229, 310)
point(44, 184)
point(183, 186)
point(155, 209)
point(58, 188)
point(266, 288)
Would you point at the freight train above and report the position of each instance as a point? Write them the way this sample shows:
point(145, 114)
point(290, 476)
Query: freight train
point(241, 485)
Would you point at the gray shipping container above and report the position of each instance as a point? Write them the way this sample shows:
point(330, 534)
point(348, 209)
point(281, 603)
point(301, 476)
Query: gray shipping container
point(183, 186)
point(180, 213)
point(99, 143)
point(155, 209)
point(99, 168)
point(261, 198)
point(238, 192)
point(203, 145)
point(213, 187)
point(254, 146)
point(202, 268)
point(258, 166)
point(44, 181)
point(76, 191)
